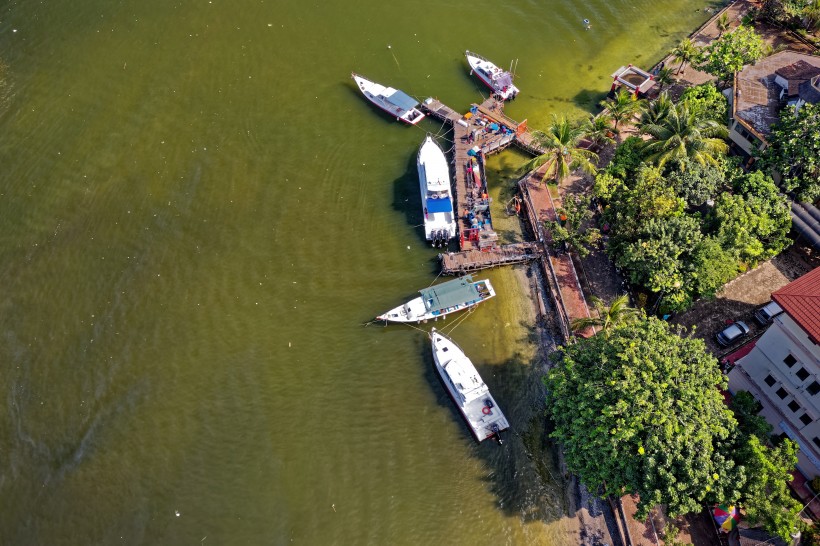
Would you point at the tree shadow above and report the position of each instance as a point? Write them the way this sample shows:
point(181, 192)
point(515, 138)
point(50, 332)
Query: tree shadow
point(589, 100)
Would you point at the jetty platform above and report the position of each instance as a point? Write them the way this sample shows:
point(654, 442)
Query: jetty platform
point(482, 131)
point(458, 263)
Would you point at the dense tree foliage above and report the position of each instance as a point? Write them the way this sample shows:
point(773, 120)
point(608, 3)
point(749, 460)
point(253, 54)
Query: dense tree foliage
point(764, 495)
point(707, 101)
point(697, 183)
point(685, 133)
point(794, 151)
point(795, 14)
point(755, 220)
point(573, 226)
point(639, 411)
point(727, 54)
point(681, 218)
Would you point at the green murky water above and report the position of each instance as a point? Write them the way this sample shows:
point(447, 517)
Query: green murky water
point(198, 212)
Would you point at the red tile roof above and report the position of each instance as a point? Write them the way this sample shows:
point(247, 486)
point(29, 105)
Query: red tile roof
point(801, 301)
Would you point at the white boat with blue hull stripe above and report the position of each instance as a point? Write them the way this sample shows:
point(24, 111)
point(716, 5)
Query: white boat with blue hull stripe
point(436, 197)
point(393, 101)
point(441, 300)
point(467, 389)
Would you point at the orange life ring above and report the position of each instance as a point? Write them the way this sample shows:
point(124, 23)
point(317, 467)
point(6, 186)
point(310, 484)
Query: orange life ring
point(486, 410)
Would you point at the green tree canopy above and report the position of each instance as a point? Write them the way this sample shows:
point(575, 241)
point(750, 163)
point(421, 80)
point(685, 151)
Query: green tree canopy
point(685, 133)
point(609, 316)
point(575, 229)
point(794, 151)
point(727, 54)
point(707, 101)
point(564, 154)
point(640, 411)
point(754, 222)
point(696, 183)
point(764, 495)
point(622, 106)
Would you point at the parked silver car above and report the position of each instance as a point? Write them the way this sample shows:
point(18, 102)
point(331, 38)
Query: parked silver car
point(765, 314)
point(732, 333)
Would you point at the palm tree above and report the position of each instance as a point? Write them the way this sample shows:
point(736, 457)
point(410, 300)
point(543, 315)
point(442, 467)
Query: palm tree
point(563, 151)
point(684, 133)
point(654, 111)
point(664, 78)
point(684, 52)
point(722, 24)
point(598, 130)
point(618, 312)
point(622, 107)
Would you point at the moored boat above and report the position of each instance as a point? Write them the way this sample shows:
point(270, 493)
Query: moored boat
point(436, 199)
point(500, 81)
point(441, 300)
point(467, 389)
point(393, 101)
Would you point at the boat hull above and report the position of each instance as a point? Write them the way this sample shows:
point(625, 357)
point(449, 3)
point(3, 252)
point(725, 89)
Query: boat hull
point(375, 93)
point(436, 192)
point(481, 413)
point(415, 311)
point(484, 69)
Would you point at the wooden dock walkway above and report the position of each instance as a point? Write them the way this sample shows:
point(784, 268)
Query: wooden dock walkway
point(457, 263)
point(558, 267)
point(477, 240)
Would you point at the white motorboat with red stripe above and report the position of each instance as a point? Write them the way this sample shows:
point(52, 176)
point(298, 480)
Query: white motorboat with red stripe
point(500, 81)
point(393, 101)
point(467, 389)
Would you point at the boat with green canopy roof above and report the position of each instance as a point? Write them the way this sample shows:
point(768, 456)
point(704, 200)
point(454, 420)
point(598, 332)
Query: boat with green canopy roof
point(441, 299)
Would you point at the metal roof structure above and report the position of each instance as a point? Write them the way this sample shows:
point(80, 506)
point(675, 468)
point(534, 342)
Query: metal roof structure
point(450, 293)
point(800, 299)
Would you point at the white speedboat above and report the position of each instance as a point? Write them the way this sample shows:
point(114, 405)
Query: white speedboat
point(436, 201)
point(467, 389)
point(500, 81)
point(441, 300)
point(394, 102)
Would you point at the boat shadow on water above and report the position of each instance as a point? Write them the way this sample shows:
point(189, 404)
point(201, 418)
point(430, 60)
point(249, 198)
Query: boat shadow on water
point(523, 472)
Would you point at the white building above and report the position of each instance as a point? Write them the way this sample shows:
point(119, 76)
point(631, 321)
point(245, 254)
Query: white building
point(782, 371)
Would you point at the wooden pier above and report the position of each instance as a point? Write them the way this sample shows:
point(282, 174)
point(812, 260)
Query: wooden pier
point(477, 240)
point(458, 263)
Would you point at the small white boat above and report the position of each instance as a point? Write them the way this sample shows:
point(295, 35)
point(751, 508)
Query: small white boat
point(441, 300)
point(394, 102)
point(436, 199)
point(500, 81)
point(467, 389)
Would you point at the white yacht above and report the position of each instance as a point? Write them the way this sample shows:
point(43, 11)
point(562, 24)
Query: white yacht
point(436, 199)
point(500, 81)
point(467, 389)
point(441, 300)
point(394, 102)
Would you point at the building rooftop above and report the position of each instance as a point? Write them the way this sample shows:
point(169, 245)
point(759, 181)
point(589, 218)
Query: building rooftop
point(810, 90)
point(757, 96)
point(800, 299)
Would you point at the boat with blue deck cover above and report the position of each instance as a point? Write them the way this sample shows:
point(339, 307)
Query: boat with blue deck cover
point(436, 198)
